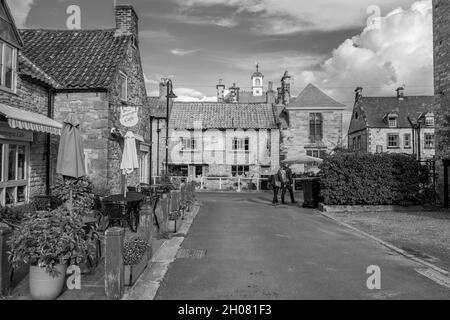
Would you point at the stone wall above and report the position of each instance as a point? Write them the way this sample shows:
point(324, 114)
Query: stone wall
point(214, 148)
point(441, 24)
point(32, 96)
point(295, 140)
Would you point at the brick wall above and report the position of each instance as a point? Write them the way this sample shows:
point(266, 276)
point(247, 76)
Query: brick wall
point(33, 97)
point(441, 25)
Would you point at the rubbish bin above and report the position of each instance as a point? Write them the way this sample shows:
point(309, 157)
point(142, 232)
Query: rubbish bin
point(311, 192)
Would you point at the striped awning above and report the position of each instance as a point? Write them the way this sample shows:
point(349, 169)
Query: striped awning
point(26, 120)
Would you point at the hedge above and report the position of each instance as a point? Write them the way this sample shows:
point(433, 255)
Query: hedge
point(371, 179)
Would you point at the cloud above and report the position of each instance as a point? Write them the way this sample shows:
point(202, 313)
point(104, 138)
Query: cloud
point(184, 16)
point(399, 52)
point(181, 52)
point(192, 95)
point(20, 10)
point(292, 16)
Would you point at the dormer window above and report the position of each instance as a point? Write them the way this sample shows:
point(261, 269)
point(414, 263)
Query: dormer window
point(392, 121)
point(429, 121)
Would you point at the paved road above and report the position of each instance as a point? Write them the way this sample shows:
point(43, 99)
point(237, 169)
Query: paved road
point(256, 251)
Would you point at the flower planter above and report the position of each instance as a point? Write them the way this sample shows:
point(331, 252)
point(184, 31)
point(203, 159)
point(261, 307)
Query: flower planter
point(43, 286)
point(133, 272)
point(174, 225)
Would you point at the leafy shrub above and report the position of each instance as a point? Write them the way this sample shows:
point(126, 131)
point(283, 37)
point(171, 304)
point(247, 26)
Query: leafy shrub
point(49, 238)
point(371, 179)
point(82, 192)
point(134, 250)
point(13, 216)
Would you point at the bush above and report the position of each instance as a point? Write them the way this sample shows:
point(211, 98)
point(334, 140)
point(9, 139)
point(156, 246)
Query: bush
point(49, 238)
point(82, 192)
point(13, 216)
point(134, 250)
point(371, 179)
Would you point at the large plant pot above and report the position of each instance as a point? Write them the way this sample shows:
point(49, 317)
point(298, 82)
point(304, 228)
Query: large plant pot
point(45, 287)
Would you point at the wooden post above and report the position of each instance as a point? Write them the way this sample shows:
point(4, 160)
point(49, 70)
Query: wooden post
point(5, 271)
point(165, 215)
point(220, 184)
point(114, 266)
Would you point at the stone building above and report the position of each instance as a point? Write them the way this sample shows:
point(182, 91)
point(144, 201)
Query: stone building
point(312, 124)
point(441, 27)
point(258, 94)
point(26, 127)
point(390, 124)
point(223, 139)
point(101, 77)
point(386, 124)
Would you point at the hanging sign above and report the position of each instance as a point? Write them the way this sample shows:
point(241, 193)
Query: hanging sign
point(129, 116)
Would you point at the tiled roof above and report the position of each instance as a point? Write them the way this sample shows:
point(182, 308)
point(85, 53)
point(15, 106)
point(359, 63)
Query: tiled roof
point(223, 116)
point(376, 108)
point(312, 96)
point(77, 59)
point(30, 69)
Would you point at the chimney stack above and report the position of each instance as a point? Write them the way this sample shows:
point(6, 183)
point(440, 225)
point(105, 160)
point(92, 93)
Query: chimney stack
point(358, 94)
point(279, 95)
point(127, 21)
point(163, 89)
point(286, 88)
point(234, 90)
point(401, 93)
point(220, 92)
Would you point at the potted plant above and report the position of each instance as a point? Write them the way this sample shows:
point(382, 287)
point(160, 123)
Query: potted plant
point(49, 242)
point(136, 254)
point(82, 191)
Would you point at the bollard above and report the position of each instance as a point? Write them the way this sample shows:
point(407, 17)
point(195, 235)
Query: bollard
point(145, 228)
point(5, 270)
point(165, 216)
point(114, 266)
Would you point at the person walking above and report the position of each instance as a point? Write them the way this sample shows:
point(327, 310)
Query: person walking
point(275, 183)
point(286, 177)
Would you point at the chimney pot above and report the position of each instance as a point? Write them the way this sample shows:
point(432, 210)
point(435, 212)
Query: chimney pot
point(401, 93)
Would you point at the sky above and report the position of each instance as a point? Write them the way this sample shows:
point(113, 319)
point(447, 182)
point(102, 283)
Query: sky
point(334, 44)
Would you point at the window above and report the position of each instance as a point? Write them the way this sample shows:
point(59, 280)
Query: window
point(240, 171)
point(8, 56)
point(407, 141)
point(429, 121)
point(123, 87)
point(13, 174)
point(257, 82)
point(392, 122)
point(241, 144)
point(315, 127)
point(316, 153)
point(429, 141)
point(379, 149)
point(393, 141)
point(144, 163)
point(188, 144)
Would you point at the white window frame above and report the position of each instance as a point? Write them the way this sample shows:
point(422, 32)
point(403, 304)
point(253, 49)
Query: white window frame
point(407, 141)
point(398, 141)
point(429, 121)
point(240, 170)
point(144, 163)
point(123, 77)
point(392, 122)
point(241, 145)
point(189, 144)
point(429, 143)
point(3, 45)
point(5, 183)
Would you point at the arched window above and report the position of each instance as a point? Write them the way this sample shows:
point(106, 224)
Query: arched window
point(257, 82)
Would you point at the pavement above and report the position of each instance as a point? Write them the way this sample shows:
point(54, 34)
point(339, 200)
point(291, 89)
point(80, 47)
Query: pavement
point(241, 247)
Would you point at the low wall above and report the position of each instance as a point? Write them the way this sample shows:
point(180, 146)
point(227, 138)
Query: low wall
point(356, 209)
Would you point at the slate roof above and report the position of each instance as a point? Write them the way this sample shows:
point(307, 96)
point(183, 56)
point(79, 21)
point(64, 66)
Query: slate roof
point(376, 108)
point(312, 96)
point(223, 116)
point(77, 59)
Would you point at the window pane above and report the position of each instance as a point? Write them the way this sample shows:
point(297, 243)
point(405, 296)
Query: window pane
point(12, 162)
point(10, 198)
point(21, 194)
point(21, 163)
point(8, 67)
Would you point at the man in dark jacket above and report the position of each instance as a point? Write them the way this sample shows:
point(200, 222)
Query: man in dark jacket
point(275, 184)
point(285, 176)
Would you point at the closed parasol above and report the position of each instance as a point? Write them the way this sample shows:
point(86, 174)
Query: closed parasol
point(130, 161)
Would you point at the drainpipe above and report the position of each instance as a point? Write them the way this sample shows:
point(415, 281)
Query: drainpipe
point(47, 168)
point(151, 150)
point(158, 130)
